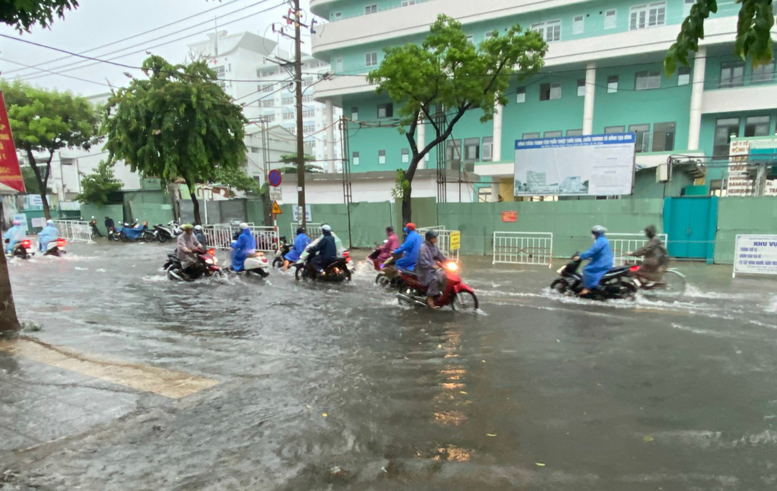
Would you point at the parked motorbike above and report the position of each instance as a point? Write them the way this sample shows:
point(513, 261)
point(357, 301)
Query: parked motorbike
point(283, 248)
point(132, 234)
point(336, 272)
point(22, 249)
point(55, 248)
point(147, 235)
point(169, 232)
point(114, 234)
point(205, 267)
point(460, 296)
point(95, 231)
point(615, 284)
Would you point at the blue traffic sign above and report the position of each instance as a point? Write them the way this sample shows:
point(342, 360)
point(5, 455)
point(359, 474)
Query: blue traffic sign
point(275, 178)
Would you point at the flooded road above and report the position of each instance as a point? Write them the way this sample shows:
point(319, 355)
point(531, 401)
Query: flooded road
point(317, 387)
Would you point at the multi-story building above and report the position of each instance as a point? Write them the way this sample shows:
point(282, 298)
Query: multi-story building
point(603, 73)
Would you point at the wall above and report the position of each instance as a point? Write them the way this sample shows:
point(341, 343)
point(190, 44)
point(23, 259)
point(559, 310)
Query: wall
point(743, 216)
point(116, 212)
point(150, 212)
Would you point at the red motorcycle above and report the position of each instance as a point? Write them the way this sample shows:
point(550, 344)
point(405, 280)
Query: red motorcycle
point(455, 292)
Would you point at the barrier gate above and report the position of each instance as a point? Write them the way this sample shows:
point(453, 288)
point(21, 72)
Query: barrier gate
point(523, 248)
point(621, 244)
point(74, 230)
point(220, 236)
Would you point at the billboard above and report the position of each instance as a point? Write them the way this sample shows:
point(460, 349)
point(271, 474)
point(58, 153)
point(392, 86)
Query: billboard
point(10, 175)
point(596, 165)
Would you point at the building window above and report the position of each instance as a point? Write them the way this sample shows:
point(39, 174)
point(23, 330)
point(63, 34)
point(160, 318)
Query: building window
point(287, 101)
point(306, 82)
point(355, 158)
point(520, 95)
point(405, 155)
point(354, 114)
point(287, 116)
point(371, 59)
point(530, 136)
point(614, 129)
point(647, 80)
point(684, 75)
point(687, 4)
point(337, 16)
point(308, 129)
point(610, 19)
point(405, 3)
point(574, 132)
point(309, 113)
point(472, 149)
point(718, 187)
point(578, 24)
point(644, 16)
point(580, 87)
point(489, 34)
point(385, 110)
point(763, 73)
point(269, 118)
point(267, 103)
point(488, 149)
point(267, 88)
point(550, 31)
point(550, 91)
point(381, 156)
point(642, 132)
point(732, 74)
point(725, 129)
point(370, 9)
point(552, 134)
point(453, 151)
point(307, 98)
point(471, 39)
point(612, 84)
point(757, 126)
point(663, 137)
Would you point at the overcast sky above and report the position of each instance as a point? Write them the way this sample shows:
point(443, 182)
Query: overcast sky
point(99, 22)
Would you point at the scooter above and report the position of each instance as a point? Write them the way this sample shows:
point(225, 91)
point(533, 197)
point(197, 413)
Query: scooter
point(615, 284)
point(255, 263)
point(131, 234)
point(206, 266)
point(21, 249)
point(455, 292)
point(55, 248)
point(171, 231)
point(335, 272)
point(283, 248)
point(387, 271)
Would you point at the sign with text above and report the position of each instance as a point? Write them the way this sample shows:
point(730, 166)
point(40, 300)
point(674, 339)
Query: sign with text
point(455, 240)
point(308, 215)
point(10, 174)
point(276, 194)
point(509, 216)
point(276, 210)
point(590, 165)
point(38, 222)
point(755, 254)
point(739, 182)
point(22, 219)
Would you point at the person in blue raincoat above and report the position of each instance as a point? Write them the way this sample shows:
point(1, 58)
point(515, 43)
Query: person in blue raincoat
point(301, 242)
point(13, 235)
point(410, 248)
point(600, 255)
point(244, 246)
point(48, 234)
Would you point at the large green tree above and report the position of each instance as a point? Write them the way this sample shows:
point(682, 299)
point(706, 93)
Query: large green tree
point(291, 162)
point(97, 186)
point(446, 71)
point(754, 37)
point(44, 121)
point(177, 123)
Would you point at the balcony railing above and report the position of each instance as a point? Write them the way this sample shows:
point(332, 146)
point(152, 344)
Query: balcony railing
point(747, 80)
point(398, 5)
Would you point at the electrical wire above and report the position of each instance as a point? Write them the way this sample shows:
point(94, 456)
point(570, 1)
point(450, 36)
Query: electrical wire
point(67, 76)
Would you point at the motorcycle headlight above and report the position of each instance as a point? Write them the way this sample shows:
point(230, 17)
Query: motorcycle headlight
point(208, 261)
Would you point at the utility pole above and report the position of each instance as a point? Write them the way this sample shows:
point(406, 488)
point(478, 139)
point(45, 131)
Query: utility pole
point(300, 136)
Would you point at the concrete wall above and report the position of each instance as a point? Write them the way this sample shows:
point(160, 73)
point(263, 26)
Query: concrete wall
point(99, 213)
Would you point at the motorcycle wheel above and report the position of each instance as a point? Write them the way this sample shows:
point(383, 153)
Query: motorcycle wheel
point(405, 293)
point(383, 281)
point(123, 238)
point(161, 238)
point(559, 286)
point(465, 302)
point(277, 263)
point(628, 290)
point(347, 275)
point(301, 274)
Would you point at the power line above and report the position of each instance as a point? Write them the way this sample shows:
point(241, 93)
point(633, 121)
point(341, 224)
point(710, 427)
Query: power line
point(44, 70)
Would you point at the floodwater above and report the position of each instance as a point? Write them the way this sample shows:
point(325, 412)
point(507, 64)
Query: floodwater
point(320, 387)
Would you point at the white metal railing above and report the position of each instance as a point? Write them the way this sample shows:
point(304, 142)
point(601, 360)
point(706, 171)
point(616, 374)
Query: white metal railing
point(74, 230)
point(313, 230)
point(622, 244)
point(443, 240)
point(220, 236)
point(523, 248)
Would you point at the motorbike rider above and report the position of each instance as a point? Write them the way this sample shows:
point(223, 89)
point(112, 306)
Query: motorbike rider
point(301, 242)
point(48, 234)
point(188, 246)
point(110, 226)
point(655, 257)
point(428, 268)
point(200, 235)
point(325, 249)
point(600, 255)
point(95, 230)
point(14, 235)
point(391, 244)
point(410, 248)
point(244, 246)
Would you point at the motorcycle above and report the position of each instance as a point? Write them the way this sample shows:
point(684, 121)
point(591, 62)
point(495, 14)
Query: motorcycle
point(55, 248)
point(255, 263)
point(114, 234)
point(132, 234)
point(171, 231)
point(283, 248)
point(615, 284)
point(455, 292)
point(387, 272)
point(21, 249)
point(206, 266)
point(147, 235)
point(95, 231)
point(335, 272)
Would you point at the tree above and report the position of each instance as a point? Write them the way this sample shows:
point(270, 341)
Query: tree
point(177, 123)
point(97, 186)
point(23, 14)
point(448, 72)
point(754, 37)
point(45, 121)
point(30, 182)
point(291, 164)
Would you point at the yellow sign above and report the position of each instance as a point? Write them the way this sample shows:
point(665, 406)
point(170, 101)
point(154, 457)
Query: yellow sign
point(276, 210)
point(455, 240)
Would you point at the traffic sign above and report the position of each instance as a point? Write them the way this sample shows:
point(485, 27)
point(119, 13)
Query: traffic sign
point(455, 240)
point(276, 210)
point(276, 194)
point(275, 178)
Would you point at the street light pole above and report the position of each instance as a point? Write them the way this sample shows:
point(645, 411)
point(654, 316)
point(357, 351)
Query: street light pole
point(300, 136)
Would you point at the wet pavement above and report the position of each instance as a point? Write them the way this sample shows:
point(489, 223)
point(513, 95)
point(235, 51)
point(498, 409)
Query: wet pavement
point(246, 383)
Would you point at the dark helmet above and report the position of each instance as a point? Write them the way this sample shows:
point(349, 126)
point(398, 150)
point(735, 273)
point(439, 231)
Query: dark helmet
point(431, 234)
point(300, 230)
point(389, 230)
point(650, 231)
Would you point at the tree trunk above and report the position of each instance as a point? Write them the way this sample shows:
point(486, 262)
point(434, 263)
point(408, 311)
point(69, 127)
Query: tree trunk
point(46, 210)
point(267, 209)
point(196, 209)
point(42, 181)
point(8, 319)
point(407, 212)
point(172, 191)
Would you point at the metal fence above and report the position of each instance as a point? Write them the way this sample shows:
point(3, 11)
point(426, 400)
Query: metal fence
point(443, 240)
point(523, 248)
point(74, 230)
point(622, 244)
point(220, 236)
point(313, 230)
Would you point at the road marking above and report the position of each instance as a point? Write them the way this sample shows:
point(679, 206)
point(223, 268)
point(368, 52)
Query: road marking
point(168, 383)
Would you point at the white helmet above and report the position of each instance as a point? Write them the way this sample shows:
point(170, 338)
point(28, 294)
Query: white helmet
point(49, 222)
point(198, 227)
point(598, 229)
point(243, 226)
point(326, 228)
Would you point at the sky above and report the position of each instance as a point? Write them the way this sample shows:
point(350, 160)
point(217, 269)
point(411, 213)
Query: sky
point(99, 22)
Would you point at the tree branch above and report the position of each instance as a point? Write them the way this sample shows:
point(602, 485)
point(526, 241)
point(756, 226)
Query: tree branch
point(410, 135)
point(431, 120)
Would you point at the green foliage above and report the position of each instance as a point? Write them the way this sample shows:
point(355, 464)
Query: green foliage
point(401, 186)
point(754, 39)
point(30, 182)
point(23, 14)
point(97, 186)
point(236, 179)
point(291, 159)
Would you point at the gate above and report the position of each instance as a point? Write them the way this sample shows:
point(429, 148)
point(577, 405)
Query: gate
point(622, 244)
point(74, 230)
point(313, 230)
point(220, 236)
point(444, 241)
point(523, 248)
point(692, 224)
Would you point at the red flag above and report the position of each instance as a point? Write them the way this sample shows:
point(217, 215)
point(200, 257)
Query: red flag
point(10, 174)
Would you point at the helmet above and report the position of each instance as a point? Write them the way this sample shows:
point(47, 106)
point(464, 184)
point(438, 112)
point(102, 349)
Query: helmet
point(300, 230)
point(198, 227)
point(17, 222)
point(650, 231)
point(410, 226)
point(243, 226)
point(598, 230)
point(51, 222)
point(187, 226)
point(431, 234)
point(326, 228)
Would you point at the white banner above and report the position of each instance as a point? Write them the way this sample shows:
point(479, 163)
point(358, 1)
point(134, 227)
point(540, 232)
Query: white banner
point(755, 254)
point(596, 165)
